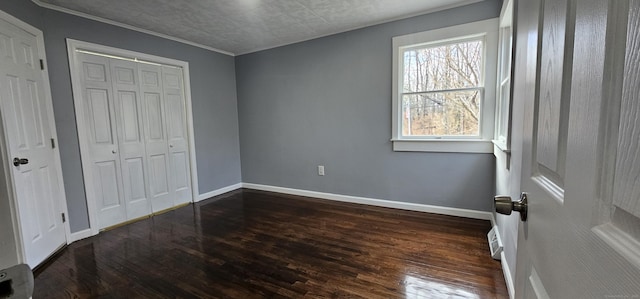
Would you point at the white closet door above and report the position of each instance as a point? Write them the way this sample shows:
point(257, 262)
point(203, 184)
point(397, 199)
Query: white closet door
point(179, 175)
point(106, 181)
point(128, 111)
point(155, 134)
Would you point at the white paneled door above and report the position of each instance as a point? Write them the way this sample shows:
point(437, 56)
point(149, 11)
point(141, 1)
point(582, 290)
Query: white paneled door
point(131, 145)
point(136, 137)
point(105, 183)
point(155, 133)
point(180, 180)
point(578, 65)
point(27, 118)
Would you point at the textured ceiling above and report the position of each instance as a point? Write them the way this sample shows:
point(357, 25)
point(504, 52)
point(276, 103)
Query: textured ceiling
point(243, 26)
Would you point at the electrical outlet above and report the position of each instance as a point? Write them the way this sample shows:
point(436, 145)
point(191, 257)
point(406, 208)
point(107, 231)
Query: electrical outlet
point(320, 169)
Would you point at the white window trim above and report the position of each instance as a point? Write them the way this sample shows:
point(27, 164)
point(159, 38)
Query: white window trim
point(458, 144)
point(503, 118)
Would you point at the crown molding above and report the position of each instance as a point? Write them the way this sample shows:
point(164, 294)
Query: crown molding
point(130, 27)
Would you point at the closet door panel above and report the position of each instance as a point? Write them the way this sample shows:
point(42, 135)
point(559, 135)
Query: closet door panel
point(100, 115)
point(155, 133)
point(180, 179)
point(159, 182)
point(180, 171)
point(153, 104)
point(105, 186)
point(135, 174)
point(107, 190)
point(129, 116)
point(126, 86)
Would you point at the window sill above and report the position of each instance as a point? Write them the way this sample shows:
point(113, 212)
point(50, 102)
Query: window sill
point(443, 146)
point(502, 146)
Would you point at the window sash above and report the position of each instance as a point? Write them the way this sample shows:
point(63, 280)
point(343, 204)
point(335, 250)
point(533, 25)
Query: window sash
point(480, 91)
point(503, 90)
point(440, 43)
point(480, 88)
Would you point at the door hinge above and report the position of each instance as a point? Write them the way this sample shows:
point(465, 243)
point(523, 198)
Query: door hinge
point(64, 219)
point(41, 64)
point(53, 143)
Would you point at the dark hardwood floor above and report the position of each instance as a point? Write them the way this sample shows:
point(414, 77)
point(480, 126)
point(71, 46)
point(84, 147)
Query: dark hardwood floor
point(254, 244)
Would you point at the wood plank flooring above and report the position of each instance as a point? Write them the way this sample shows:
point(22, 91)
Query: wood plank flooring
point(254, 244)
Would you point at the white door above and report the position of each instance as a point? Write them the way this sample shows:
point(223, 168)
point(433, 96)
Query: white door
point(580, 72)
point(105, 168)
point(180, 179)
point(128, 111)
point(155, 132)
point(27, 119)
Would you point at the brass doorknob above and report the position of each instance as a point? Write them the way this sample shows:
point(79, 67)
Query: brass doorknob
point(504, 205)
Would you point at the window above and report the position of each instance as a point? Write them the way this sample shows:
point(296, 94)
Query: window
point(444, 89)
point(503, 101)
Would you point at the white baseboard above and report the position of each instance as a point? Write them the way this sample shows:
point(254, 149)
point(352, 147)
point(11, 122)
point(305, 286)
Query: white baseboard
point(375, 202)
point(217, 192)
point(508, 279)
point(83, 234)
point(507, 276)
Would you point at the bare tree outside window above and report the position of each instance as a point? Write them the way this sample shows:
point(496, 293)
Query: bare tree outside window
point(442, 89)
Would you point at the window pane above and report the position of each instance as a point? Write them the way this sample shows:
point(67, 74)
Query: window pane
point(503, 112)
point(452, 66)
point(505, 44)
point(441, 114)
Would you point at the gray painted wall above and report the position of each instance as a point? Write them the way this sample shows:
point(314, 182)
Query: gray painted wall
point(26, 11)
point(213, 93)
point(328, 102)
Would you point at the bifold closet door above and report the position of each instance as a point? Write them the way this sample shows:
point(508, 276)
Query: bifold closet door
point(137, 137)
point(155, 133)
point(113, 110)
point(105, 181)
point(128, 112)
point(180, 170)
